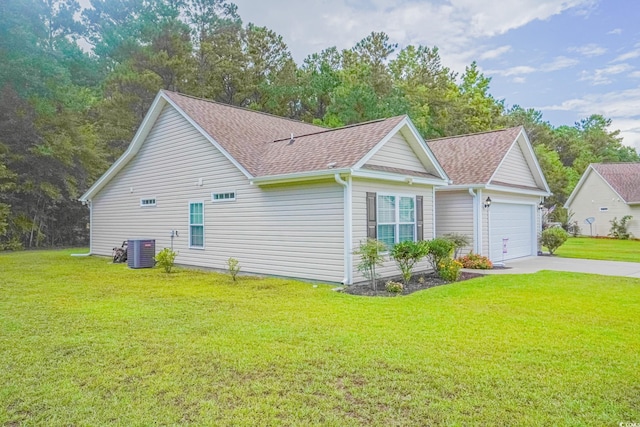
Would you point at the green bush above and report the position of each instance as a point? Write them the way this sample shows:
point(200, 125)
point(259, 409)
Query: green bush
point(406, 255)
point(438, 250)
point(620, 230)
point(459, 241)
point(552, 238)
point(449, 270)
point(394, 287)
point(233, 267)
point(371, 256)
point(476, 261)
point(166, 259)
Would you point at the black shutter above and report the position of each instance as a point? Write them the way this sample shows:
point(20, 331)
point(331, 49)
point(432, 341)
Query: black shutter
point(372, 220)
point(419, 219)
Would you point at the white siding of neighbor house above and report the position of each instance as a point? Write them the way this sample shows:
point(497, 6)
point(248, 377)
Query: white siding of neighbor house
point(294, 230)
point(397, 153)
point(359, 231)
point(594, 194)
point(501, 197)
point(514, 169)
point(454, 214)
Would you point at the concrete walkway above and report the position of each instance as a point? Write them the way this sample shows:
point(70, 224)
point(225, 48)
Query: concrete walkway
point(537, 263)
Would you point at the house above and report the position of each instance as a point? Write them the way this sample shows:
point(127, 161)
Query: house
point(496, 189)
point(283, 197)
point(606, 191)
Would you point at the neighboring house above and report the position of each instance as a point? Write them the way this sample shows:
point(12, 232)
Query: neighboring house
point(283, 197)
point(499, 165)
point(607, 191)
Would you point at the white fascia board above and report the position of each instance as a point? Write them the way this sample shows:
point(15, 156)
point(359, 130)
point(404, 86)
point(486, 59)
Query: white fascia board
point(423, 144)
point(454, 187)
point(584, 178)
point(532, 156)
point(132, 150)
point(505, 189)
point(297, 177)
point(395, 177)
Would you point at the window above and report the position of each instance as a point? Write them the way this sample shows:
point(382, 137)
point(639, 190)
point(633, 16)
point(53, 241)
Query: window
point(148, 202)
point(196, 225)
point(220, 197)
point(604, 209)
point(396, 219)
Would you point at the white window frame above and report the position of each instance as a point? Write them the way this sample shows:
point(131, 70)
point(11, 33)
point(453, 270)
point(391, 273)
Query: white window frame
point(149, 199)
point(191, 246)
point(397, 222)
point(224, 194)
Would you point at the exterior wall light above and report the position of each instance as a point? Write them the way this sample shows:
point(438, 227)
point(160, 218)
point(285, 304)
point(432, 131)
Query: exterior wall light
point(541, 206)
point(487, 203)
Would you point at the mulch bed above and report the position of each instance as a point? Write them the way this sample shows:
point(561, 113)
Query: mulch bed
point(418, 283)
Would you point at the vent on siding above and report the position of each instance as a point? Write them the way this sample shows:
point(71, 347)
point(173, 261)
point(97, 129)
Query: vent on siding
point(223, 197)
point(604, 209)
point(147, 202)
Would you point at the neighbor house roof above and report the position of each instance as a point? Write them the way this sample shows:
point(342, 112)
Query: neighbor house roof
point(473, 159)
point(624, 178)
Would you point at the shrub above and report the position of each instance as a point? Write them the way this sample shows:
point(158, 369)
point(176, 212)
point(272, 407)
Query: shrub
point(166, 259)
point(552, 238)
point(406, 254)
point(449, 270)
point(620, 230)
point(476, 261)
point(394, 287)
point(233, 267)
point(459, 241)
point(438, 250)
point(371, 256)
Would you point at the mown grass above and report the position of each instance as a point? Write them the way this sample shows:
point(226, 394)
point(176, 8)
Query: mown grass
point(600, 249)
point(86, 342)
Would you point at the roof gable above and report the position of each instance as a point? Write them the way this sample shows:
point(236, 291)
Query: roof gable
point(623, 178)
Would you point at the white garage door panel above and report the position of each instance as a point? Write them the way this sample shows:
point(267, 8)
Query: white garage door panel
point(516, 223)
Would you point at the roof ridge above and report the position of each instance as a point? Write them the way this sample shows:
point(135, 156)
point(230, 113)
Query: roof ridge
point(249, 110)
point(340, 128)
point(474, 133)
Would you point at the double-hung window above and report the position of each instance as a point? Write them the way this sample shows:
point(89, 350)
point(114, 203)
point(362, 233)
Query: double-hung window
point(396, 219)
point(196, 225)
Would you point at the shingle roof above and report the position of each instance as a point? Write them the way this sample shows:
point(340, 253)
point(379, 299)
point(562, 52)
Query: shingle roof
point(624, 178)
point(261, 142)
point(473, 159)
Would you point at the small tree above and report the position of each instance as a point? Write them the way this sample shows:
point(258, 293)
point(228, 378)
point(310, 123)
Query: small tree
point(552, 238)
point(406, 255)
point(233, 267)
point(165, 259)
point(459, 241)
point(620, 230)
point(438, 250)
point(371, 256)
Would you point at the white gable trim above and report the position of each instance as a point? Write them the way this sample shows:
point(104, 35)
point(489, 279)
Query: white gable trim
point(530, 158)
point(583, 178)
point(160, 101)
point(416, 142)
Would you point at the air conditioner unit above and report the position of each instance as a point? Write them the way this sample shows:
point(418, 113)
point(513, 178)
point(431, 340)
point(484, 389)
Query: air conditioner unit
point(140, 253)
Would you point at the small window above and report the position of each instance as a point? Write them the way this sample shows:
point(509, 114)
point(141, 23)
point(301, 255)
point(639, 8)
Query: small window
point(604, 209)
point(196, 225)
point(147, 202)
point(396, 219)
point(223, 197)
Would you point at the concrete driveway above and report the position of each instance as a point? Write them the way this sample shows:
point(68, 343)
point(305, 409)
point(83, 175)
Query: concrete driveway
point(545, 262)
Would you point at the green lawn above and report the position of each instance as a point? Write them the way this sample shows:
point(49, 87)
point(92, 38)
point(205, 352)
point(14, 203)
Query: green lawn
point(603, 249)
point(86, 342)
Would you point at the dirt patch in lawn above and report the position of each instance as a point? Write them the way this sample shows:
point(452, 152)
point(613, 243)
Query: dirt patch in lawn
point(418, 283)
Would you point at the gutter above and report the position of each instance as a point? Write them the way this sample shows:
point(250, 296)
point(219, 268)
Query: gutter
point(476, 226)
point(348, 238)
point(88, 202)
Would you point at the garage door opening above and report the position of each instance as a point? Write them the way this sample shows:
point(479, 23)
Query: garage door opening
point(512, 231)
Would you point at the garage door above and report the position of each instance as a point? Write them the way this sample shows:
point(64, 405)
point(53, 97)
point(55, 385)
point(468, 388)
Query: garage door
point(512, 231)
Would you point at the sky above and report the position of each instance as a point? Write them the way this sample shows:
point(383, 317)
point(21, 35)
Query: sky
point(566, 58)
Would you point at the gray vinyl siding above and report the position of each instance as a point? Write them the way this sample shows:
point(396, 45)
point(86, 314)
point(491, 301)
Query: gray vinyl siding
point(514, 169)
point(398, 154)
point(454, 214)
point(359, 230)
point(594, 194)
point(294, 231)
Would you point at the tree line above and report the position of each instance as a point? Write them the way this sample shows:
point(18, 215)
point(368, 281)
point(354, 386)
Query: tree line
point(67, 112)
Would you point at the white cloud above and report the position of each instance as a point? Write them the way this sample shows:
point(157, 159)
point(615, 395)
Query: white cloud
point(635, 74)
point(602, 76)
point(494, 53)
point(513, 71)
point(559, 63)
point(615, 31)
point(626, 56)
point(519, 80)
point(589, 50)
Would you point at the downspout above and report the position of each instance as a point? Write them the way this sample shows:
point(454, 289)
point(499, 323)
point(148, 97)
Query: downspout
point(476, 225)
point(90, 230)
point(433, 212)
point(348, 238)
